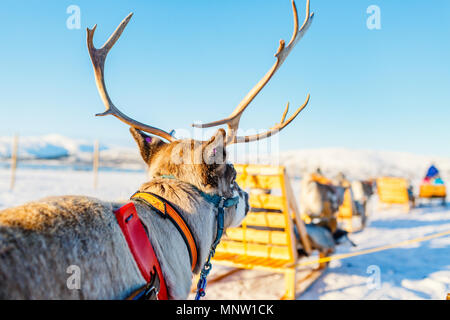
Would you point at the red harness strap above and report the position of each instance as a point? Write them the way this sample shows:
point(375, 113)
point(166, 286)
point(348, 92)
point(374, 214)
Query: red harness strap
point(140, 245)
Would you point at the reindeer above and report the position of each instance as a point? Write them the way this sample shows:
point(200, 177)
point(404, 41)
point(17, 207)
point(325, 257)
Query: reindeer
point(40, 240)
point(362, 191)
point(320, 200)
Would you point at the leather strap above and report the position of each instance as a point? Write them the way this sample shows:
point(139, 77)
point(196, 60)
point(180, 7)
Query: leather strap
point(166, 210)
point(141, 247)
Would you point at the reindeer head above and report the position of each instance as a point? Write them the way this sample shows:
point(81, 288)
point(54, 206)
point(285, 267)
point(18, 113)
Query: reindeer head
point(200, 163)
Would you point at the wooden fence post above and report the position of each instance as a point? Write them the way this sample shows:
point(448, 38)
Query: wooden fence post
point(96, 163)
point(15, 149)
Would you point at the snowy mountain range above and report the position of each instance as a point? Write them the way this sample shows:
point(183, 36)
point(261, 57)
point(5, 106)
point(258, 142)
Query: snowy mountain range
point(356, 164)
point(55, 149)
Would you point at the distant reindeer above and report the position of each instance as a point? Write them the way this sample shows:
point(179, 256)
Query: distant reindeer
point(41, 241)
point(362, 191)
point(321, 200)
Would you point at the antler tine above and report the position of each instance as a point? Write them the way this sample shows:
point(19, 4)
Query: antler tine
point(298, 34)
point(98, 57)
point(283, 117)
point(275, 129)
point(283, 51)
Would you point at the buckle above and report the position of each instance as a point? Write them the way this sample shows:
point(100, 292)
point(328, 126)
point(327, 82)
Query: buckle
point(222, 202)
point(150, 291)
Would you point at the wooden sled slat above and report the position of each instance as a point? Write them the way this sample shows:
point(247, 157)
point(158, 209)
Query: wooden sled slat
point(266, 239)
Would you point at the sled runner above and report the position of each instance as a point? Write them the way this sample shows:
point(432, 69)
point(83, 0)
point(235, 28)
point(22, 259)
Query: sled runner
point(266, 239)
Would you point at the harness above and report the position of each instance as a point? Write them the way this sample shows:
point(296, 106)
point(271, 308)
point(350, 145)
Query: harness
point(221, 203)
point(141, 248)
point(167, 211)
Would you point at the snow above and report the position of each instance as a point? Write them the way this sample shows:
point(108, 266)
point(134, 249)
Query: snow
point(45, 147)
point(356, 164)
point(418, 271)
point(34, 184)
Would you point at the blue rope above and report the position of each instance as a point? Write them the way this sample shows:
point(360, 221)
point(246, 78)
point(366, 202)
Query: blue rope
point(202, 282)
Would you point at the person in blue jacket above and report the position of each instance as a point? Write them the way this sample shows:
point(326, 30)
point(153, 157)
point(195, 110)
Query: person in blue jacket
point(432, 172)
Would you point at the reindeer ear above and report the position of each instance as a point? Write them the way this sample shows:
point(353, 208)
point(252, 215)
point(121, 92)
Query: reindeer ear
point(214, 152)
point(147, 144)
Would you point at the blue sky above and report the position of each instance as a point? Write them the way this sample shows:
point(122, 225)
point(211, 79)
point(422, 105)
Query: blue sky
point(184, 61)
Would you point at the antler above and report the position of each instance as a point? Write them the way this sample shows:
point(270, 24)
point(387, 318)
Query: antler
point(98, 57)
point(283, 51)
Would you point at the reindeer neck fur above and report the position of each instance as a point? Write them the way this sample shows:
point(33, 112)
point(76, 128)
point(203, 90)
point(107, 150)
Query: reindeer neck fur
point(168, 244)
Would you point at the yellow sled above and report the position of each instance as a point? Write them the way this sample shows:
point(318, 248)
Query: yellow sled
point(266, 239)
point(430, 191)
point(394, 191)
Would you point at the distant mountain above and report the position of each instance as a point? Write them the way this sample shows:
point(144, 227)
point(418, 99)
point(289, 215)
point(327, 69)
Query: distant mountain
point(356, 164)
point(55, 148)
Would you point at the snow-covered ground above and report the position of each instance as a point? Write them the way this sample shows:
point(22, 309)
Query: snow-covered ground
point(33, 184)
point(419, 271)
